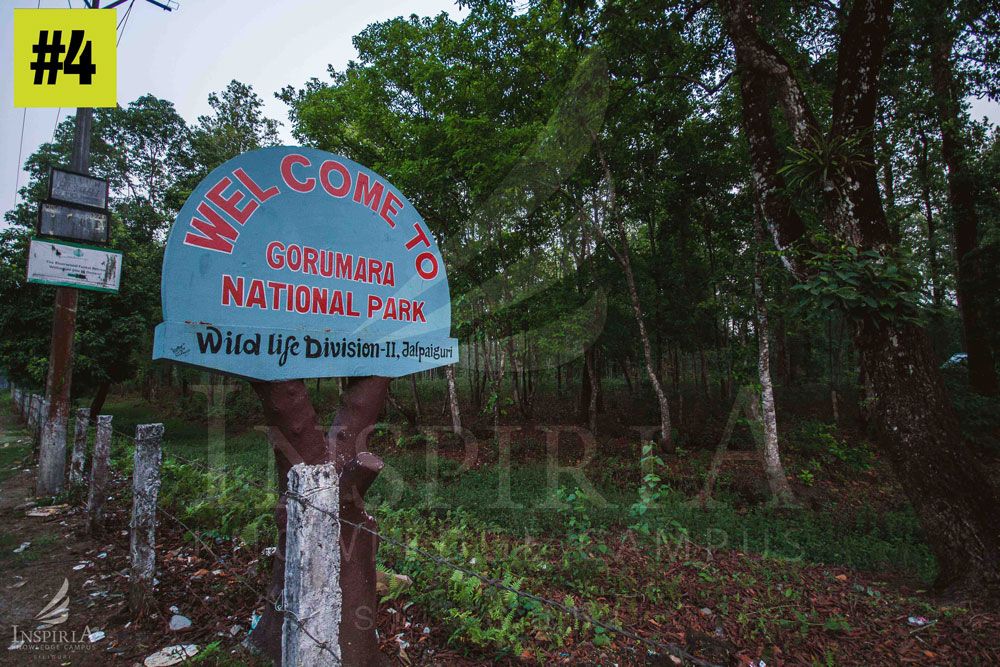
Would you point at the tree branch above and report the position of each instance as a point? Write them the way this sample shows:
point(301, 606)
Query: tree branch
point(753, 53)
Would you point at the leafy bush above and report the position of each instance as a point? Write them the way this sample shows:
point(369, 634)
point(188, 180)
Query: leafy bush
point(472, 612)
point(228, 503)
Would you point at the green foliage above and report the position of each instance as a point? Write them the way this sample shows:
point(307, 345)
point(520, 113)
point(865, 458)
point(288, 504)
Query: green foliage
point(471, 612)
point(825, 162)
point(651, 489)
point(575, 509)
point(979, 415)
point(864, 285)
point(228, 503)
point(821, 441)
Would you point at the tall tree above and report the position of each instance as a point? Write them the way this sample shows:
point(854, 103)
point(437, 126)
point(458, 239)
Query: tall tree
point(948, 95)
point(915, 424)
point(776, 479)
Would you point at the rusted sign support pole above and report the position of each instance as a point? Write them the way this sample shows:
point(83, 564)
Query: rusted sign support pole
point(296, 437)
point(145, 491)
point(349, 435)
point(52, 452)
point(312, 595)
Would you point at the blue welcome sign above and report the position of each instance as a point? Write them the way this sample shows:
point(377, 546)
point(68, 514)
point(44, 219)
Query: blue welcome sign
point(291, 262)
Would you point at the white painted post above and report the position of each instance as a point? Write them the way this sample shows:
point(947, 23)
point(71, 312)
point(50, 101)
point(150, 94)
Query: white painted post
point(79, 458)
point(310, 634)
point(33, 412)
point(51, 475)
point(145, 490)
point(99, 475)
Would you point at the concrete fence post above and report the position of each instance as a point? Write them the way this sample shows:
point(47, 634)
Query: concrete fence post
point(312, 594)
point(33, 412)
point(145, 490)
point(51, 475)
point(41, 417)
point(99, 475)
point(78, 461)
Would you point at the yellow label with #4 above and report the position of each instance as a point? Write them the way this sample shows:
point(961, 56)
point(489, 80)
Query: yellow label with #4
point(65, 58)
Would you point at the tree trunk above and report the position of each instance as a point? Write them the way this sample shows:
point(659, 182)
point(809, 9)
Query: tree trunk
point(501, 366)
point(588, 358)
point(962, 198)
point(889, 185)
point(456, 416)
point(776, 479)
point(915, 424)
point(416, 396)
point(97, 404)
point(587, 388)
point(933, 263)
point(917, 429)
point(622, 256)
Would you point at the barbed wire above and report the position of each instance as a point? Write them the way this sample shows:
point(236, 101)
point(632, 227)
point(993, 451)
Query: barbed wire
point(278, 607)
point(492, 582)
point(575, 612)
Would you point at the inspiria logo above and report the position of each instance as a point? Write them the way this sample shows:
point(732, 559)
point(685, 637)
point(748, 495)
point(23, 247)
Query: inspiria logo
point(57, 610)
point(44, 637)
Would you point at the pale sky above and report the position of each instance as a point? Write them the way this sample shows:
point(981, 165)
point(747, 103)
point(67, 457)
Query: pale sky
point(184, 55)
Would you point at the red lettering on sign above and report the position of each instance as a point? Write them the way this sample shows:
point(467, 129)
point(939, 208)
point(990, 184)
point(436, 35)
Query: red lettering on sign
point(301, 299)
point(256, 295)
point(369, 195)
point(293, 257)
point(390, 275)
point(421, 237)
point(217, 234)
point(286, 173)
point(429, 273)
point(344, 264)
point(326, 263)
point(251, 185)
point(350, 306)
point(361, 271)
point(309, 259)
point(390, 207)
point(374, 305)
point(274, 259)
point(230, 204)
point(375, 271)
point(390, 309)
point(418, 311)
point(345, 178)
point(319, 298)
point(276, 289)
point(232, 291)
point(337, 303)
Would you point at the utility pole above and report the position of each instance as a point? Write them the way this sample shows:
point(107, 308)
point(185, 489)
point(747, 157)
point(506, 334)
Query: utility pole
point(59, 380)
